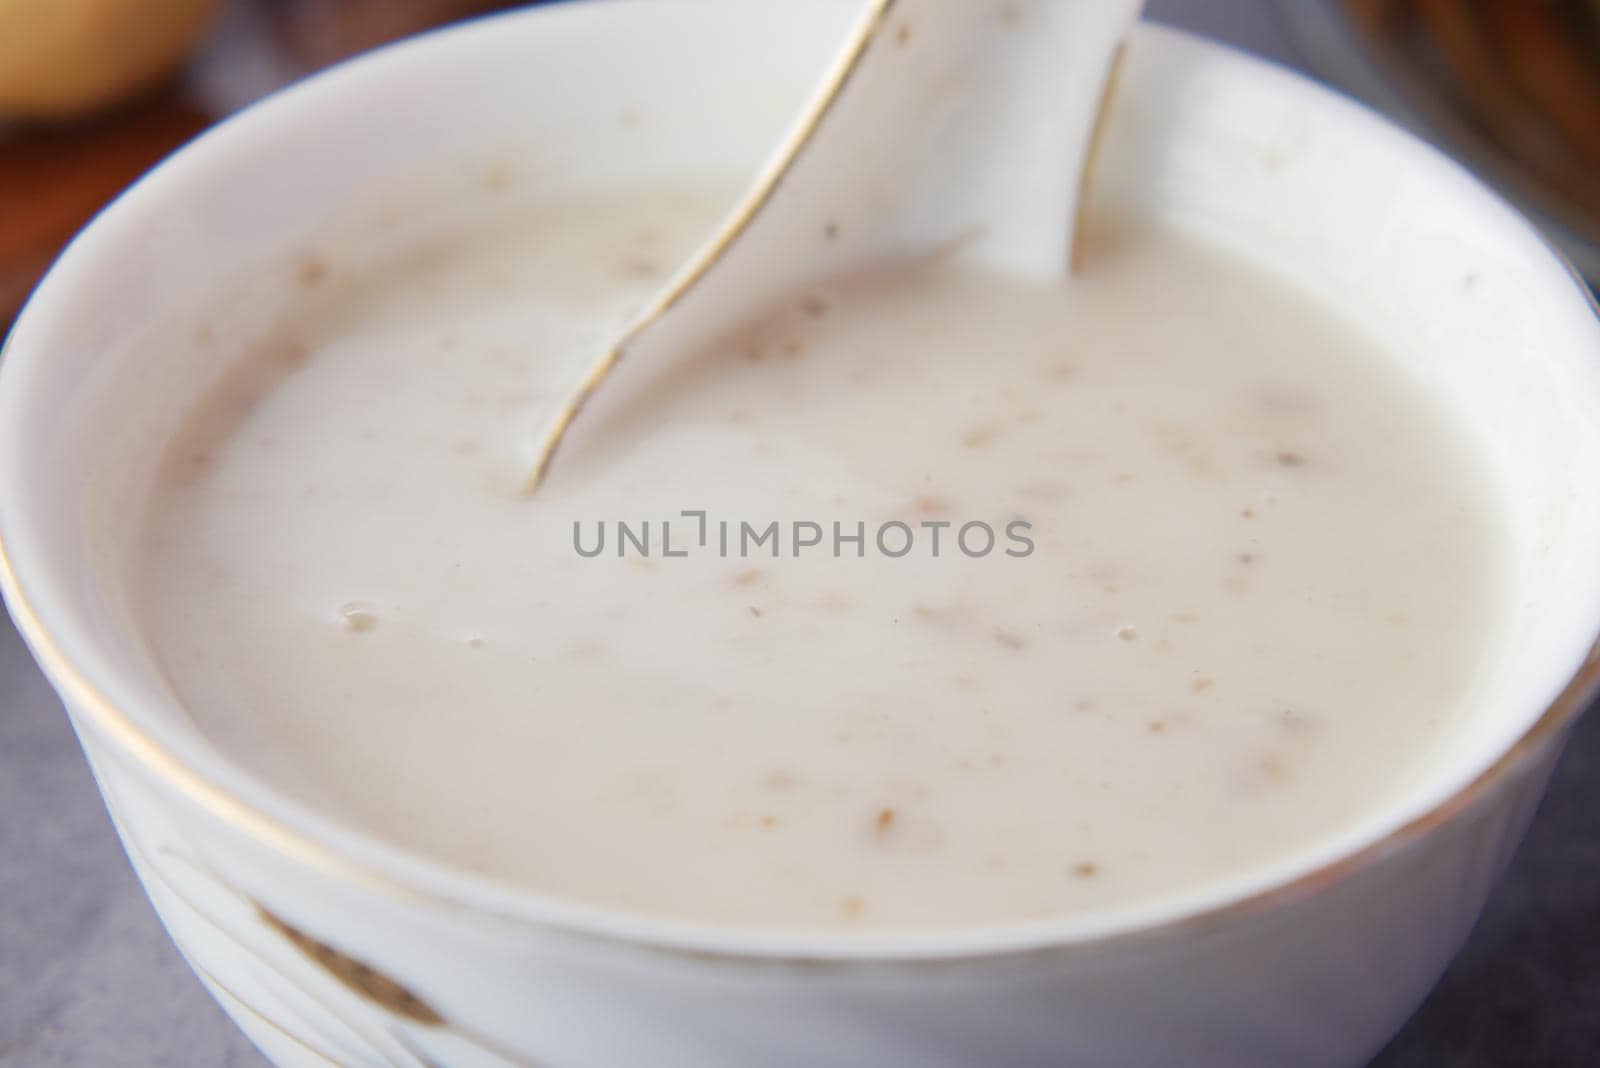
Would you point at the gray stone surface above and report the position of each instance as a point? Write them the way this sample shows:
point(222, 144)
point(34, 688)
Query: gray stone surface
point(89, 980)
point(87, 976)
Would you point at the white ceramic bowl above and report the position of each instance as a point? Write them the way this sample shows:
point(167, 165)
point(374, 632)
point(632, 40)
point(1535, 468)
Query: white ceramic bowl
point(329, 947)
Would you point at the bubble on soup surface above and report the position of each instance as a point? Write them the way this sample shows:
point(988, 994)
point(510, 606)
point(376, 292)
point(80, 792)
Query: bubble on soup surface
point(358, 617)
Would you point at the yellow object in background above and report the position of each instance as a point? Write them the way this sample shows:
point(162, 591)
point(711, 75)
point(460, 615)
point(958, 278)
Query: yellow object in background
point(61, 59)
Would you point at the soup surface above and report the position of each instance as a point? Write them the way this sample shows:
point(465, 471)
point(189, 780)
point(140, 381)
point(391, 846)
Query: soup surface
point(1077, 595)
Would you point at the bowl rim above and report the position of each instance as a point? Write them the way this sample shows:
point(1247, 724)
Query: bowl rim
point(305, 836)
point(1334, 48)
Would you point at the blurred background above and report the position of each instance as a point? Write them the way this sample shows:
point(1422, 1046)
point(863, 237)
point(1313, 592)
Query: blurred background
point(93, 92)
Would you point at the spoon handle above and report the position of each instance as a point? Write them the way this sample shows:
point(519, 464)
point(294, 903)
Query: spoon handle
point(941, 124)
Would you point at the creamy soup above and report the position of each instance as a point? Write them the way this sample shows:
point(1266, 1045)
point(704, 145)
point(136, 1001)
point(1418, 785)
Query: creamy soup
point(928, 598)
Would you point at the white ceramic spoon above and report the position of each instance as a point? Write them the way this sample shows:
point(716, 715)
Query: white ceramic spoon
point(941, 123)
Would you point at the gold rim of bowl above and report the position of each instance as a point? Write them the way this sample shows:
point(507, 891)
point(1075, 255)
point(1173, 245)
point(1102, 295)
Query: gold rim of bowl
point(305, 849)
